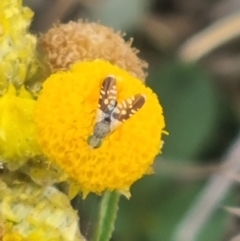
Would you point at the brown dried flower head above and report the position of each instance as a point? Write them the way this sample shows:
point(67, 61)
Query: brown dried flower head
point(66, 44)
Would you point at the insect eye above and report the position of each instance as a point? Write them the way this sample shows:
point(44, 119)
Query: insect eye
point(99, 144)
point(91, 140)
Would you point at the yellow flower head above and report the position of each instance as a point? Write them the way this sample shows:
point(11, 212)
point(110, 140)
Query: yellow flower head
point(65, 117)
point(73, 42)
point(16, 44)
point(17, 130)
point(31, 213)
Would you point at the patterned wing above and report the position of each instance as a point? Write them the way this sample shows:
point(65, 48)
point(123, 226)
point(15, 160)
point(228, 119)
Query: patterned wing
point(125, 109)
point(107, 98)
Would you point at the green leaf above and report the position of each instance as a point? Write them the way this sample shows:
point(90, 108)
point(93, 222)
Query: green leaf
point(157, 207)
point(110, 13)
point(190, 107)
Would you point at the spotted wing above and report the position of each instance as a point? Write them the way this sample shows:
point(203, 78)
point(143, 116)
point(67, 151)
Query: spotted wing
point(125, 109)
point(107, 98)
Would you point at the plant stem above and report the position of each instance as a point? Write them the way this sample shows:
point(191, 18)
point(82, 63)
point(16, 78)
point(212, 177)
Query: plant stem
point(214, 36)
point(107, 216)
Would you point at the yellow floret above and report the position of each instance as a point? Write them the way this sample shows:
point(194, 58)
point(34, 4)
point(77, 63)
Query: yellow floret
point(65, 116)
point(17, 59)
point(17, 132)
point(13, 237)
point(31, 213)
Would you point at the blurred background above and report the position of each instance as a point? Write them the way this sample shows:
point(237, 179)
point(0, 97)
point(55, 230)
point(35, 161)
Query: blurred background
point(193, 51)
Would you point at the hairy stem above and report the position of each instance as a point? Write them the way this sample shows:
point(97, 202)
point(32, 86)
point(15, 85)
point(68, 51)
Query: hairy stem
point(214, 36)
point(107, 216)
